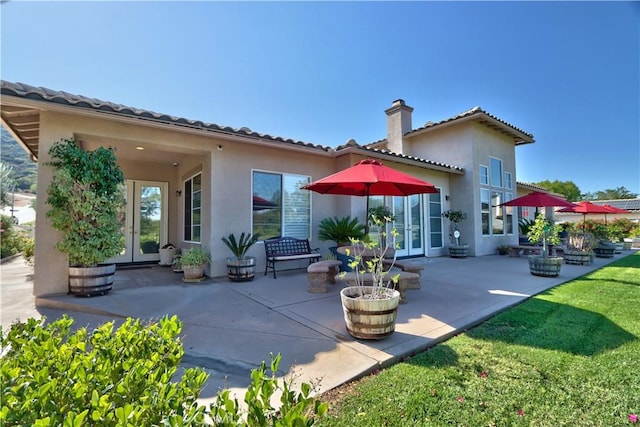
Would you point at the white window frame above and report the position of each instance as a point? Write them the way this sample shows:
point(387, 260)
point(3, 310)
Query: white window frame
point(484, 177)
point(508, 180)
point(283, 206)
point(496, 174)
point(191, 209)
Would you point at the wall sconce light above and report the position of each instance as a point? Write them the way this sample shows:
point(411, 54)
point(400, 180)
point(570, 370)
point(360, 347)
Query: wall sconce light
point(178, 193)
point(446, 197)
point(220, 147)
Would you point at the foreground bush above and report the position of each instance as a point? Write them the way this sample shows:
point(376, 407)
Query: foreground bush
point(51, 376)
point(12, 241)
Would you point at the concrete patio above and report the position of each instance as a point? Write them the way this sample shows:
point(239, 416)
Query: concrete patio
point(229, 328)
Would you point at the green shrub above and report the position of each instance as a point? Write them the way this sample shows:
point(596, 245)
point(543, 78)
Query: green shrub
point(620, 228)
point(11, 240)
point(295, 409)
point(85, 195)
point(52, 376)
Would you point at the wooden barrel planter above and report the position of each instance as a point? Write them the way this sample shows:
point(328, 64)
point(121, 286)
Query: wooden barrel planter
point(90, 281)
point(578, 257)
point(371, 319)
point(545, 266)
point(241, 270)
point(458, 251)
point(604, 251)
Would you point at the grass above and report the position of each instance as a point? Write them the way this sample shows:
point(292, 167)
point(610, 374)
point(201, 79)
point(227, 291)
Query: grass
point(569, 356)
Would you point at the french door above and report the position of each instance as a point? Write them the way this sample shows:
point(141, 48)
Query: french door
point(144, 221)
point(409, 224)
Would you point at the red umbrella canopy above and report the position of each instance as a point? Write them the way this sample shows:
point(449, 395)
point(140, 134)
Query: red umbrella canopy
point(370, 177)
point(586, 208)
point(538, 199)
point(614, 209)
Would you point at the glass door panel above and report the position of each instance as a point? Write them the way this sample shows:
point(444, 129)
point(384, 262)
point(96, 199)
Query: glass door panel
point(144, 221)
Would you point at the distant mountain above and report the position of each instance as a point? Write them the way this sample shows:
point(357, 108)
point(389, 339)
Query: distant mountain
point(24, 170)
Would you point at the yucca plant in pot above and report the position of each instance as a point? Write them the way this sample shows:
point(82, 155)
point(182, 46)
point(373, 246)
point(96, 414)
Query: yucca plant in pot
point(193, 261)
point(548, 233)
point(240, 267)
point(370, 306)
point(456, 249)
point(85, 195)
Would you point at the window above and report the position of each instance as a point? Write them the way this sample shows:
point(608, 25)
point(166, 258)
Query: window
point(192, 208)
point(484, 175)
point(497, 219)
point(435, 220)
point(485, 207)
point(508, 183)
point(508, 213)
point(280, 207)
point(496, 172)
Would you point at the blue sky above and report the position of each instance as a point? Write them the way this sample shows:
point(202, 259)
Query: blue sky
point(324, 72)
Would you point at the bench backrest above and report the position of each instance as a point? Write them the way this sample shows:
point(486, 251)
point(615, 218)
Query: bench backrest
point(286, 246)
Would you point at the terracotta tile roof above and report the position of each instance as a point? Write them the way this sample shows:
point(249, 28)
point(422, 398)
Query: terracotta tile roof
point(22, 90)
point(432, 164)
point(532, 187)
point(476, 113)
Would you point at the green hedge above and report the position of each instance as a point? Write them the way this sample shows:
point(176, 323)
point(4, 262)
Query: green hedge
point(51, 376)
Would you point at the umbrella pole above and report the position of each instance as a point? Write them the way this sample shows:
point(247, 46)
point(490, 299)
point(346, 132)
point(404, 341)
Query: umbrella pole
point(366, 212)
point(366, 218)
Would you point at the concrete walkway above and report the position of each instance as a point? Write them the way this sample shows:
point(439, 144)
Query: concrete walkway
point(229, 328)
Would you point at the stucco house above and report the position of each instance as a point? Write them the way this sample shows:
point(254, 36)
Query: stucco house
point(205, 181)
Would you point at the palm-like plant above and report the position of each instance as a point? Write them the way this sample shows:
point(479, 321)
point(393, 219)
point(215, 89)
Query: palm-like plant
point(340, 230)
point(239, 247)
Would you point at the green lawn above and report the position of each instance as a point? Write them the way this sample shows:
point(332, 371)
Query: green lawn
point(567, 357)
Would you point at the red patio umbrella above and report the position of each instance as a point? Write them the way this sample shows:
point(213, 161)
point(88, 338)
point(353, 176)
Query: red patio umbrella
point(586, 208)
point(614, 209)
point(370, 177)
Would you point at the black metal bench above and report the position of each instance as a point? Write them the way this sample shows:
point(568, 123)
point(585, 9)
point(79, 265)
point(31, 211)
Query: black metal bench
point(281, 249)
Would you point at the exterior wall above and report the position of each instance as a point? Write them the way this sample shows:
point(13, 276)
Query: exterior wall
point(51, 272)
point(231, 195)
point(453, 145)
point(486, 144)
point(468, 145)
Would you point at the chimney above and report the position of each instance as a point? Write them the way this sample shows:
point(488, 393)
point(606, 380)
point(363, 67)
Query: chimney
point(398, 123)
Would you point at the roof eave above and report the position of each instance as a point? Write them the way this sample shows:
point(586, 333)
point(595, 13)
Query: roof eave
point(518, 136)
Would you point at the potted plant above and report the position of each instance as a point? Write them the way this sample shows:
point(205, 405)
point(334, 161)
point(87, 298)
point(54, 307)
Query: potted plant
point(240, 267)
point(547, 233)
point(193, 261)
point(340, 231)
point(579, 249)
point(370, 306)
point(503, 249)
point(85, 195)
point(167, 252)
point(456, 250)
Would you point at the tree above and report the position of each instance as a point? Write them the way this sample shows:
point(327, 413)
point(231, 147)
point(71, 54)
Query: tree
point(567, 188)
point(7, 183)
point(612, 194)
